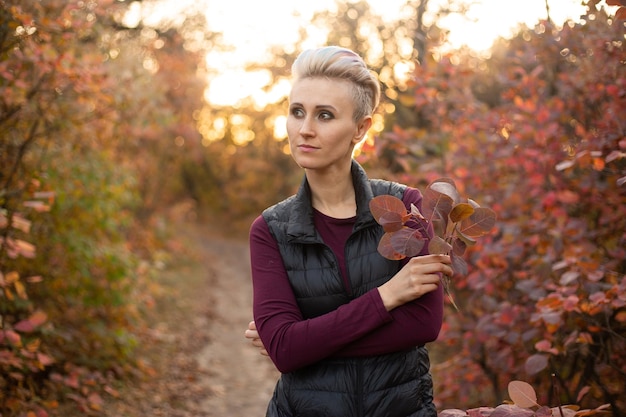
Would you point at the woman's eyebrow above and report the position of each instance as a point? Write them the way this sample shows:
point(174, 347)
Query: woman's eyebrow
point(317, 107)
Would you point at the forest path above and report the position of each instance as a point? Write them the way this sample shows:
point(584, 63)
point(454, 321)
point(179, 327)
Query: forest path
point(240, 379)
point(198, 362)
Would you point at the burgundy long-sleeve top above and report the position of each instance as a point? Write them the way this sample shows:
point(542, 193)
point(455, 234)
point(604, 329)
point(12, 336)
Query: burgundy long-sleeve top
point(362, 327)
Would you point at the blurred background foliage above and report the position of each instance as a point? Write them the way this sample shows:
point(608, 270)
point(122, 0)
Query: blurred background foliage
point(106, 141)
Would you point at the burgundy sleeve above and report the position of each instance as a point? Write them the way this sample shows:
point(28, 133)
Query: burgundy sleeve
point(291, 341)
point(413, 324)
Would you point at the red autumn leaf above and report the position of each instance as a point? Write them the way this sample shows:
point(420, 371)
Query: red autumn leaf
point(459, 266)
point(407, 241)
point(45, 360)
point(567, 197)
point(459, 246)
point(95, 401)
point(479, 223)
point(385, 248)
point(32, 323)
point(391, 221)
point(480, 411)
point(436, 205)
point(385, 204)
point(13, 337)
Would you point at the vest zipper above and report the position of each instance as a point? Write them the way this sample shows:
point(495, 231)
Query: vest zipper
point(346, 282)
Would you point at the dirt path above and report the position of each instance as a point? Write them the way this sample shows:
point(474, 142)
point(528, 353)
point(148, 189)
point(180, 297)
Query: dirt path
point(240, 379)
point(197, 361)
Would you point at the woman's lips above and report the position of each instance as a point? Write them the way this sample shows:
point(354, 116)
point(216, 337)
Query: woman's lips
point(306, 148)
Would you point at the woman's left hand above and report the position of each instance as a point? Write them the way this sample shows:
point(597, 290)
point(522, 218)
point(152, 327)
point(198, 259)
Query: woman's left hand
point(252, 334)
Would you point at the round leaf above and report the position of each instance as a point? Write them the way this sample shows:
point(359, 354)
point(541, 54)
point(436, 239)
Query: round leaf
point(461, 212)
point(439, 246)
point(383, 204)
point(391, 221)
point(407, 241)
point(386, 249)
point(479, 223)
point(536, 363)
point(446, 186)
point(522, 394)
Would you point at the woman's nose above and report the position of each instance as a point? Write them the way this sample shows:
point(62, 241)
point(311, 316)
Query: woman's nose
point(306, 128)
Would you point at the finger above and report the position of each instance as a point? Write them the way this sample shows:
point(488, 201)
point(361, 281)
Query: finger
point(429, 279)
point(251, 334)
point(417, 269)
point(433, 258)
point(252, 325)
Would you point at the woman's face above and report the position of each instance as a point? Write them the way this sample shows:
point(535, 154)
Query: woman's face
point(322, 133)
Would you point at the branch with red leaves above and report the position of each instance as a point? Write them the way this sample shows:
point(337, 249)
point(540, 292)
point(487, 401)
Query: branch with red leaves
point(456, 223)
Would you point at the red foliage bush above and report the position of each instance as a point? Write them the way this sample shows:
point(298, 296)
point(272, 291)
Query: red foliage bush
point(537, 133)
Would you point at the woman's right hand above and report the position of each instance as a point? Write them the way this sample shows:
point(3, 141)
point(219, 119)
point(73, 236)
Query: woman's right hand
point(252, 334)
point(419, 276)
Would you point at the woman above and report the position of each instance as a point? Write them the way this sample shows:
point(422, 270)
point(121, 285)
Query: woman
point(345, 326)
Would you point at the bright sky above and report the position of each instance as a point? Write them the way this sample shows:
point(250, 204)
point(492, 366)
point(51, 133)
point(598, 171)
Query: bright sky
point(251, 26)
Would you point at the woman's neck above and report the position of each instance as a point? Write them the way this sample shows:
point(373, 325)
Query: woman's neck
point(333, 195)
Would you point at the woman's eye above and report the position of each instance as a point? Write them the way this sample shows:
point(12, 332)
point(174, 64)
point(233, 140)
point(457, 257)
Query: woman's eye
point(296, 112)
point(326, 115)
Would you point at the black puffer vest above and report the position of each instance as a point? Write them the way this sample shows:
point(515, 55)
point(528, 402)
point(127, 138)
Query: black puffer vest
point(394, 385)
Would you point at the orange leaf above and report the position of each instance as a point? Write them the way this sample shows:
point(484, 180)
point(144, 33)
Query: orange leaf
point(621, 316)
point(27, 250)
point(461, 212)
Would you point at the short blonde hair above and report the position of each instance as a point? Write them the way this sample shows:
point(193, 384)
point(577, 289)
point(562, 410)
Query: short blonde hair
point(343, 64)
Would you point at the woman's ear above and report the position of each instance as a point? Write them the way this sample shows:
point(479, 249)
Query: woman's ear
point(361, 128)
